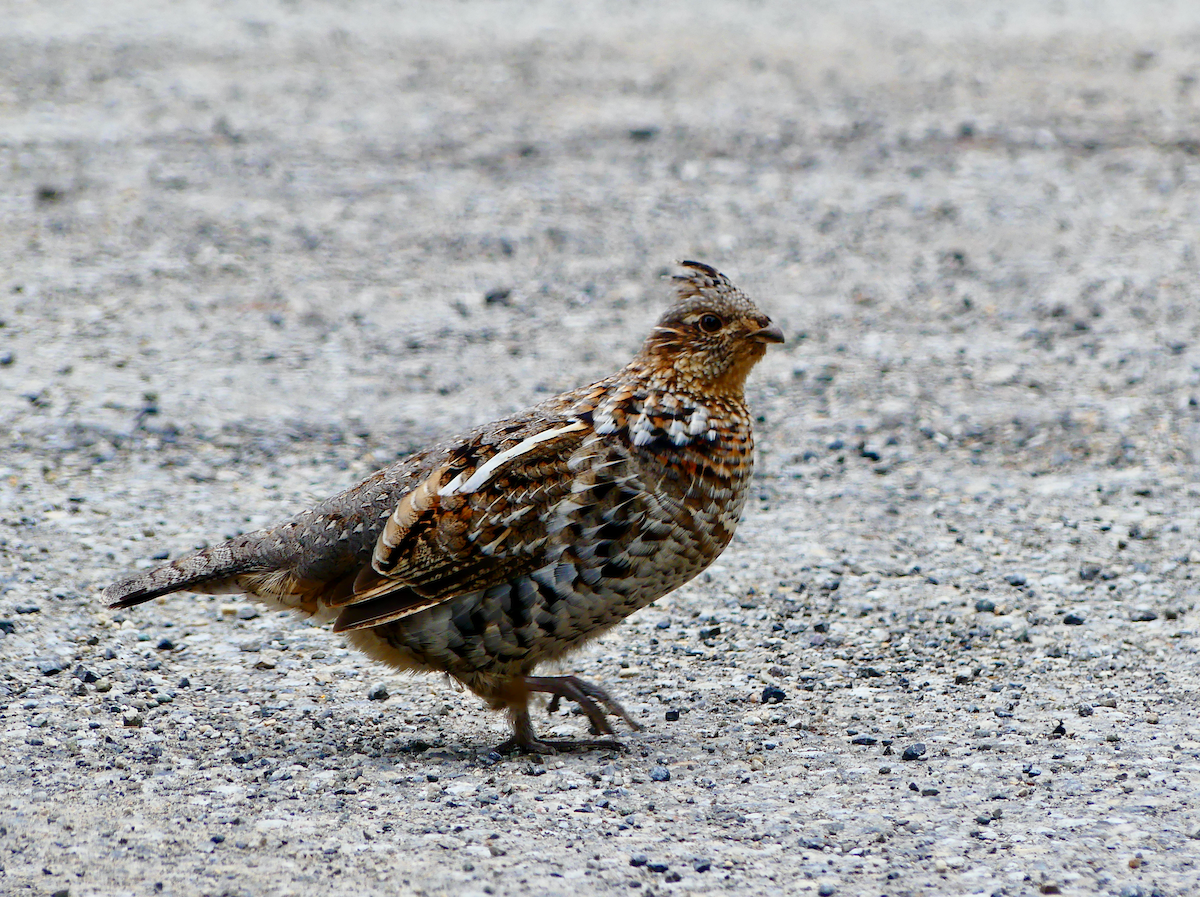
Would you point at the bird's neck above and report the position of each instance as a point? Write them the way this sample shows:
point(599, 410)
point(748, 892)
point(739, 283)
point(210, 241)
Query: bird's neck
point(673, 377)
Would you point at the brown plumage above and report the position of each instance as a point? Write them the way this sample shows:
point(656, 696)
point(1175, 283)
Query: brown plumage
point(512, 544)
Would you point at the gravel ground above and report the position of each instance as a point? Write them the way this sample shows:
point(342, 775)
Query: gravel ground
point(248, 254)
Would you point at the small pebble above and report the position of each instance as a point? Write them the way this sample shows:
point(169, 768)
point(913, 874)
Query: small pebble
point(165, 645)
point(1086, 710)
point(132, 719)
point(913, 752)
point(672, 715)
point(1015, 579)
point(378, 693)
point(773, 694)
point(638, 859)
point(985, 605)
point(1144, 615)
point(826, 890)
point(701, 865)
point(657, 867)
point(660, 774)
point(50, 667)
point(1073, 619)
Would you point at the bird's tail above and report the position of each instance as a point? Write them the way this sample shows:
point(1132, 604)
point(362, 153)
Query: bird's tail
point(213, 570)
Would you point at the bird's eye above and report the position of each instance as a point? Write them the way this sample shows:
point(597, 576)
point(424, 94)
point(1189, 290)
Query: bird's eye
point(710, 323)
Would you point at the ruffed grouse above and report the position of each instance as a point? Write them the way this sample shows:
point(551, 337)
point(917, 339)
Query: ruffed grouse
point(512, 544)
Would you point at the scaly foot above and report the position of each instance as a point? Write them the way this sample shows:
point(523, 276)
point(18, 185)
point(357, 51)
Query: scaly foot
point(592, 699)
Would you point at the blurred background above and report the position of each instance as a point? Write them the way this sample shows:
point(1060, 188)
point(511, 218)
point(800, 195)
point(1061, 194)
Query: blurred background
point(217, 203)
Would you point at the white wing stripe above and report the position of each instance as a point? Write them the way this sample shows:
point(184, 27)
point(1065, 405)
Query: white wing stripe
point(485, 471)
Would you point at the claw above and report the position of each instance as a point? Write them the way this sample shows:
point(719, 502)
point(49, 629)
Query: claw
point(592, 700)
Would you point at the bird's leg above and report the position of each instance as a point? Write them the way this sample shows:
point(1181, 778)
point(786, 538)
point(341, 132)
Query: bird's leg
point(589, 697)
point(523, 738)
point(585, 694)
point(513, 693)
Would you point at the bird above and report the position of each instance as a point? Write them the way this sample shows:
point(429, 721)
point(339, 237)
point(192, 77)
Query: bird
point(511, 545)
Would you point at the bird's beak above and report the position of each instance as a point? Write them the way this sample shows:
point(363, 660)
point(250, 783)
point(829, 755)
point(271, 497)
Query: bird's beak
point(767, 334)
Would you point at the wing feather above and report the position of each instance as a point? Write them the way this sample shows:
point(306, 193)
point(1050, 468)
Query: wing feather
point(479, 519)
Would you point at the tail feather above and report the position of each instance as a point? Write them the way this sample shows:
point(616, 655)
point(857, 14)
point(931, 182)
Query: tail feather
point(212, 570)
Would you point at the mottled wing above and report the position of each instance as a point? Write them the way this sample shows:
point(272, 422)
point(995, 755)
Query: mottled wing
point(479, 519)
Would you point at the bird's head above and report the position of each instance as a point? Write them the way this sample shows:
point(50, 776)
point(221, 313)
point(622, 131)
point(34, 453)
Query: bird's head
point(711, 337)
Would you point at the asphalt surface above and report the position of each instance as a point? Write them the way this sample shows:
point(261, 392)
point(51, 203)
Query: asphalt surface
point(247, 255)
